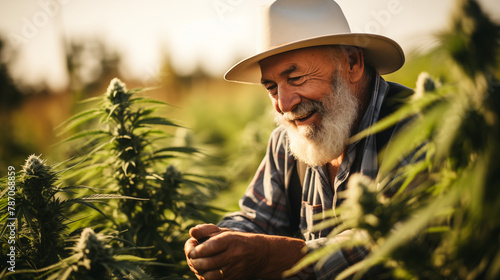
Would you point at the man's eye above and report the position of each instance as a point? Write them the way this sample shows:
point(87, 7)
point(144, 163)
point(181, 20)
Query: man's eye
point(296, 80)
point(270, 88)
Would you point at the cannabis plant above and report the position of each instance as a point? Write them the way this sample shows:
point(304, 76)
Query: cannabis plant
point(41, 214)
point(93, 257)
point(441, 222)
point(128, 152)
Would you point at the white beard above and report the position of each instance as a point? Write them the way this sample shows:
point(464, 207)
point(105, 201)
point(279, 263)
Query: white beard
point(318, 144)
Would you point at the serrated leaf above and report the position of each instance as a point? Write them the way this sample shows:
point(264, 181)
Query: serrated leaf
point(156, 121)
point(185, 150)
point(108, 196)
point(88, 204)
point(81, 187)
point(111, 111)
point(84, 134)
point(163, 157)
point(79, 119)
point(92, 99)
point(132, 258)
point(147, 100)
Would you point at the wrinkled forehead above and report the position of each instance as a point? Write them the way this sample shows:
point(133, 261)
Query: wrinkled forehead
point(299, 54)
point(312, 57)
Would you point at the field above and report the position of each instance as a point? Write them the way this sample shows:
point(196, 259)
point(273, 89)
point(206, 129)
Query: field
point(105, 179)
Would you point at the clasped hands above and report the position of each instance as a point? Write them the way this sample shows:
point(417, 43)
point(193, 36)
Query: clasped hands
point(238, 255)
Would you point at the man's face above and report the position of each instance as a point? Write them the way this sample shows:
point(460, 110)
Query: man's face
point(312, 100)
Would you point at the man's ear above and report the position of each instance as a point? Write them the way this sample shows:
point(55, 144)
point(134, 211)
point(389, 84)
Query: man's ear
point(356, 64)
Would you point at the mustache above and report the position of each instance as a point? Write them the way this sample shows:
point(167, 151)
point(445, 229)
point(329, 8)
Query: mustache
point(302, 110)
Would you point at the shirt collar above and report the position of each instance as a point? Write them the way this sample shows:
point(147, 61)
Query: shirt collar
point(368, 154)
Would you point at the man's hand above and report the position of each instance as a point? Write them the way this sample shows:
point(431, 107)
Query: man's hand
point(199, 234)
point(238, 255)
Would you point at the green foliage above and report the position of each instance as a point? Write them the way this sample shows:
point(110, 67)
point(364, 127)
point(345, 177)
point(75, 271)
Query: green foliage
point(231, 123)
point(472, 33)
point(92, 257)
point(150, 203)
point(127, 151)
point(440, 224)
point(42, 215)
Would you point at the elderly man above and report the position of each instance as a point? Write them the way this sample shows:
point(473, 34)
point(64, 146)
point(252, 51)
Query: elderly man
point(324, 84)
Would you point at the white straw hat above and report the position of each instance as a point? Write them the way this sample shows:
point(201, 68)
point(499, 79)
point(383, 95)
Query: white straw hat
point(294, 24)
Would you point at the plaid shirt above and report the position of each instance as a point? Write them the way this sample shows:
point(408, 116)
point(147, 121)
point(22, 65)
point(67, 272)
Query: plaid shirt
point(265, 206)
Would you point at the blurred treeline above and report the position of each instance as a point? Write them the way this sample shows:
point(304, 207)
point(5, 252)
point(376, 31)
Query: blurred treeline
point(228, 122)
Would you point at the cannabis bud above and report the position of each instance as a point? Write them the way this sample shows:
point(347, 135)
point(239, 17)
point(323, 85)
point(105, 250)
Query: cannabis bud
point(92, 249)
point(35, 166)
point(172, 176)
point(361, 200)
point(116, 90)
point(425, 83)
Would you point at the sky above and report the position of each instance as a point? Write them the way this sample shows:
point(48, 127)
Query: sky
point(211, 34)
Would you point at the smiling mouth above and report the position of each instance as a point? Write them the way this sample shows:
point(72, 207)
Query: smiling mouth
point(304, 117)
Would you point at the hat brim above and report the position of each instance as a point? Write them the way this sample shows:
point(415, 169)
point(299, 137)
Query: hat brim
point(381, 52)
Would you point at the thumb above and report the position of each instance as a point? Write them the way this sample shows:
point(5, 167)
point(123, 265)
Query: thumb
point(206, 230)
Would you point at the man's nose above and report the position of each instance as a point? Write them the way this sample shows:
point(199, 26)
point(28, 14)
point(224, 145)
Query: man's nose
point(288, 98)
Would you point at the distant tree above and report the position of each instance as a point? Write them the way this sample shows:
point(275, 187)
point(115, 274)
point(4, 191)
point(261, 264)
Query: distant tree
point(10, 95)
point(90, 64)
